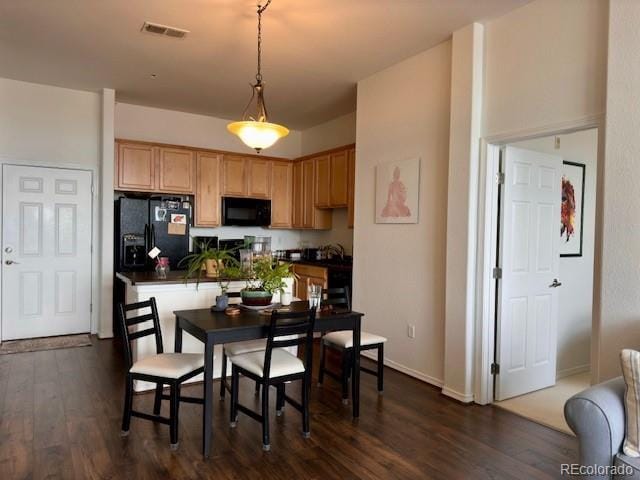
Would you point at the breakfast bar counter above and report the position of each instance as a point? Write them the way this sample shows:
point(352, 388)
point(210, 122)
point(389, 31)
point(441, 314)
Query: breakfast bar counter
point(173, 293)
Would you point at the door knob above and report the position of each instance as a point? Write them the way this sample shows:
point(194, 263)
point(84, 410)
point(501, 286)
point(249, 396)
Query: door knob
point(555, 283)
point(11, 262)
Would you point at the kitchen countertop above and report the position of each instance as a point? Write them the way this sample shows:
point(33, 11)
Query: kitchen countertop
point(173, 277)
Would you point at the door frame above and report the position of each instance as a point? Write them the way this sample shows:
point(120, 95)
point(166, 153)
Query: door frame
point(487, 247)
point(94, 225)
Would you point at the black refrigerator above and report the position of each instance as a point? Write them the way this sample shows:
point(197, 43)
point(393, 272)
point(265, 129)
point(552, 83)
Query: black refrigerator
point(142, 224)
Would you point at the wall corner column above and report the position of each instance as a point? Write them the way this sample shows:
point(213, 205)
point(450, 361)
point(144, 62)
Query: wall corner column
point(467, 63)
point(105, 320)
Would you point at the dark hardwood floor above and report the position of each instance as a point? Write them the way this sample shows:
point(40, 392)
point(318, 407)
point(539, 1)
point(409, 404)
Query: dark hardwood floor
point(61, 413)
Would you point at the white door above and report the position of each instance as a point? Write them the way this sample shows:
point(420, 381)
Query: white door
point(46, 251)
point(530, 260)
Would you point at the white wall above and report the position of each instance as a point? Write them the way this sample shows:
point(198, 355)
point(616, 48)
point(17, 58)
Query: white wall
point(334, 133)
point(545, 64)
point(620, 298)
point(135, 122)
point(49, 126)
point(576, 273)
point(399, 270)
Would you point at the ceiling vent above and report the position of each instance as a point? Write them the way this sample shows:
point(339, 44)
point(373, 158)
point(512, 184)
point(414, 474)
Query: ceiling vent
point(165, 30)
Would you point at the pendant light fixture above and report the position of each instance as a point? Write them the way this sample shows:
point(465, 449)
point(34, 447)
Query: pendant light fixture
point(254, 129)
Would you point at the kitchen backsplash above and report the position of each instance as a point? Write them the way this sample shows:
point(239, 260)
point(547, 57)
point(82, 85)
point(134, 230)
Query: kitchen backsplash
point(290, 239)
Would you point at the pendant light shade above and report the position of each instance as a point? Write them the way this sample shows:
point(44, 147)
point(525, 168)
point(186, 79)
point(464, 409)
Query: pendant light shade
point(255, 130)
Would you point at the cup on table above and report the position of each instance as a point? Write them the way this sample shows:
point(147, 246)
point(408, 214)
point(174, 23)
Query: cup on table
point(314, 293)
point(285, 298)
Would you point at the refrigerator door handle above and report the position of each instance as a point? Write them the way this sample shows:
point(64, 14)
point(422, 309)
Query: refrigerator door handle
point(153, 236)
point(147, 239)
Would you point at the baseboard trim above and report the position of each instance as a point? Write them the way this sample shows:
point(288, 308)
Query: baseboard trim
point(461, 397)
point(406, 370)
point(567, 372)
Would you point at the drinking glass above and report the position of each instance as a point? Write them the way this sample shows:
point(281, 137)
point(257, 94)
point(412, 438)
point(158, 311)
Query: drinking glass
point(314, 293)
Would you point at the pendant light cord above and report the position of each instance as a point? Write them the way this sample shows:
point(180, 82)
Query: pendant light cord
point(260, 10)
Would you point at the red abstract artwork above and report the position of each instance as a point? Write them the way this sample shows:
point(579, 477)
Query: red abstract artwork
point(568, 211)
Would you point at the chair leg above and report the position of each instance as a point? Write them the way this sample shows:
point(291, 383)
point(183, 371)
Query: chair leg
point(128, 404)
point(173, 416)
point(157, 401)
point(223, 375)
point(346, 369)
point(257, 391)
point(381, 368)
point(322, 362)
point(266, 446)
point(280, 399)
point(306, 387)
point(235, 380)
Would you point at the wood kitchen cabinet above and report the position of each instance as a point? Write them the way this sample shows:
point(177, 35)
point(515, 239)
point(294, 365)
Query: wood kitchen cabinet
point(282, 204)
point(176, 170)
point(143, 167)
point(351, 176)
point(258, 173)
point(308, 275)
point(207, 201)
point(136, 167)
point(339, 179)
point(234, 179)
point(297, 220)
point(312, 217)
point(246, 177)
point(323, 181)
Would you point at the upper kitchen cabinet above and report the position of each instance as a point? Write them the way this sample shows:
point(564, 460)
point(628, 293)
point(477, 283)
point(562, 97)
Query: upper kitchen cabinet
point(176, 170)
point(207, 201)
point(332, 182)
point(258, 178)
point(246, 177)
point(143, 167)
point(234, 178)
point(339, 181)
point(297, 220)
point(136, 167)
point(282, 203)
point(312, 217)
point(351, 187)
point(323, 181)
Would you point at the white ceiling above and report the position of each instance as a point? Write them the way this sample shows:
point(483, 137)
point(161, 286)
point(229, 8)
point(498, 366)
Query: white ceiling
point(314, 51)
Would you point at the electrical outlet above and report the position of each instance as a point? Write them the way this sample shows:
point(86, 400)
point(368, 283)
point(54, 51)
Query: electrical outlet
point(411, 331)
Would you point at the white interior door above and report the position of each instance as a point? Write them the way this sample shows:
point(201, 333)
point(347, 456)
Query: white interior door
point(530, 260)
point(46, 251)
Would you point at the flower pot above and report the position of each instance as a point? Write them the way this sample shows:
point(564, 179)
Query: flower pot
point(256, 298)
point(222, 301)
point(211, 267)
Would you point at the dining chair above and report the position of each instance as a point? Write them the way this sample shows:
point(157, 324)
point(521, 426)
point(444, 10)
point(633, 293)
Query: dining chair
point(275, 366)
point(237, 348)
point(342, 341)
point(162, 369)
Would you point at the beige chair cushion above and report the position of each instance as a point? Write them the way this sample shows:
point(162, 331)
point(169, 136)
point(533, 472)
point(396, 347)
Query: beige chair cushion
point(238, 348)
point(169, 365)
point(630, 360)
point(282, 363)
point(344, 339)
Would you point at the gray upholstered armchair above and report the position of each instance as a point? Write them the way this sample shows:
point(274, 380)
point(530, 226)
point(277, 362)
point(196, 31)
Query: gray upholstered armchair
point(597, 417)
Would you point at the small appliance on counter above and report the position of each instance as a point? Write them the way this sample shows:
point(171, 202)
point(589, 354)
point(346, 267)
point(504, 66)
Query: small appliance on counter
point(203, 241)
point(234, 244)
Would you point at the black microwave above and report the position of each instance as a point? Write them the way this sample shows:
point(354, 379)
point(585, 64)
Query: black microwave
point(246, 212)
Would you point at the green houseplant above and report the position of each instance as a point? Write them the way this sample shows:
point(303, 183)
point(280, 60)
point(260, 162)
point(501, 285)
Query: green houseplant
point(265, 278)
point(209, 260)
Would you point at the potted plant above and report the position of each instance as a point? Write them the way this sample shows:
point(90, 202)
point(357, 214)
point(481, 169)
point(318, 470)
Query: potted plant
point(227, 275)
point(208, 260)
point(265, 278)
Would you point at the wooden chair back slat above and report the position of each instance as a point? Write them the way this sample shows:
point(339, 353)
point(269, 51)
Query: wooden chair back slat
point(125, 323)
point(283, 324)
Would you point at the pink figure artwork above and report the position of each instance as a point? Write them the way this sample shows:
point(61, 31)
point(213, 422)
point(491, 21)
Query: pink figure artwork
point(396, 198)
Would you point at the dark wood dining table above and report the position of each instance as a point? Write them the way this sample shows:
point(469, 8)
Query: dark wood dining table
point(214, 328)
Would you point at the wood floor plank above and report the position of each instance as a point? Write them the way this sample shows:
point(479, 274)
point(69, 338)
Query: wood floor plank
point(61, 413)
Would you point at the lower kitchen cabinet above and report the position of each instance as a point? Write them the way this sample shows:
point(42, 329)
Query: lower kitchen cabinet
point(309, 275)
